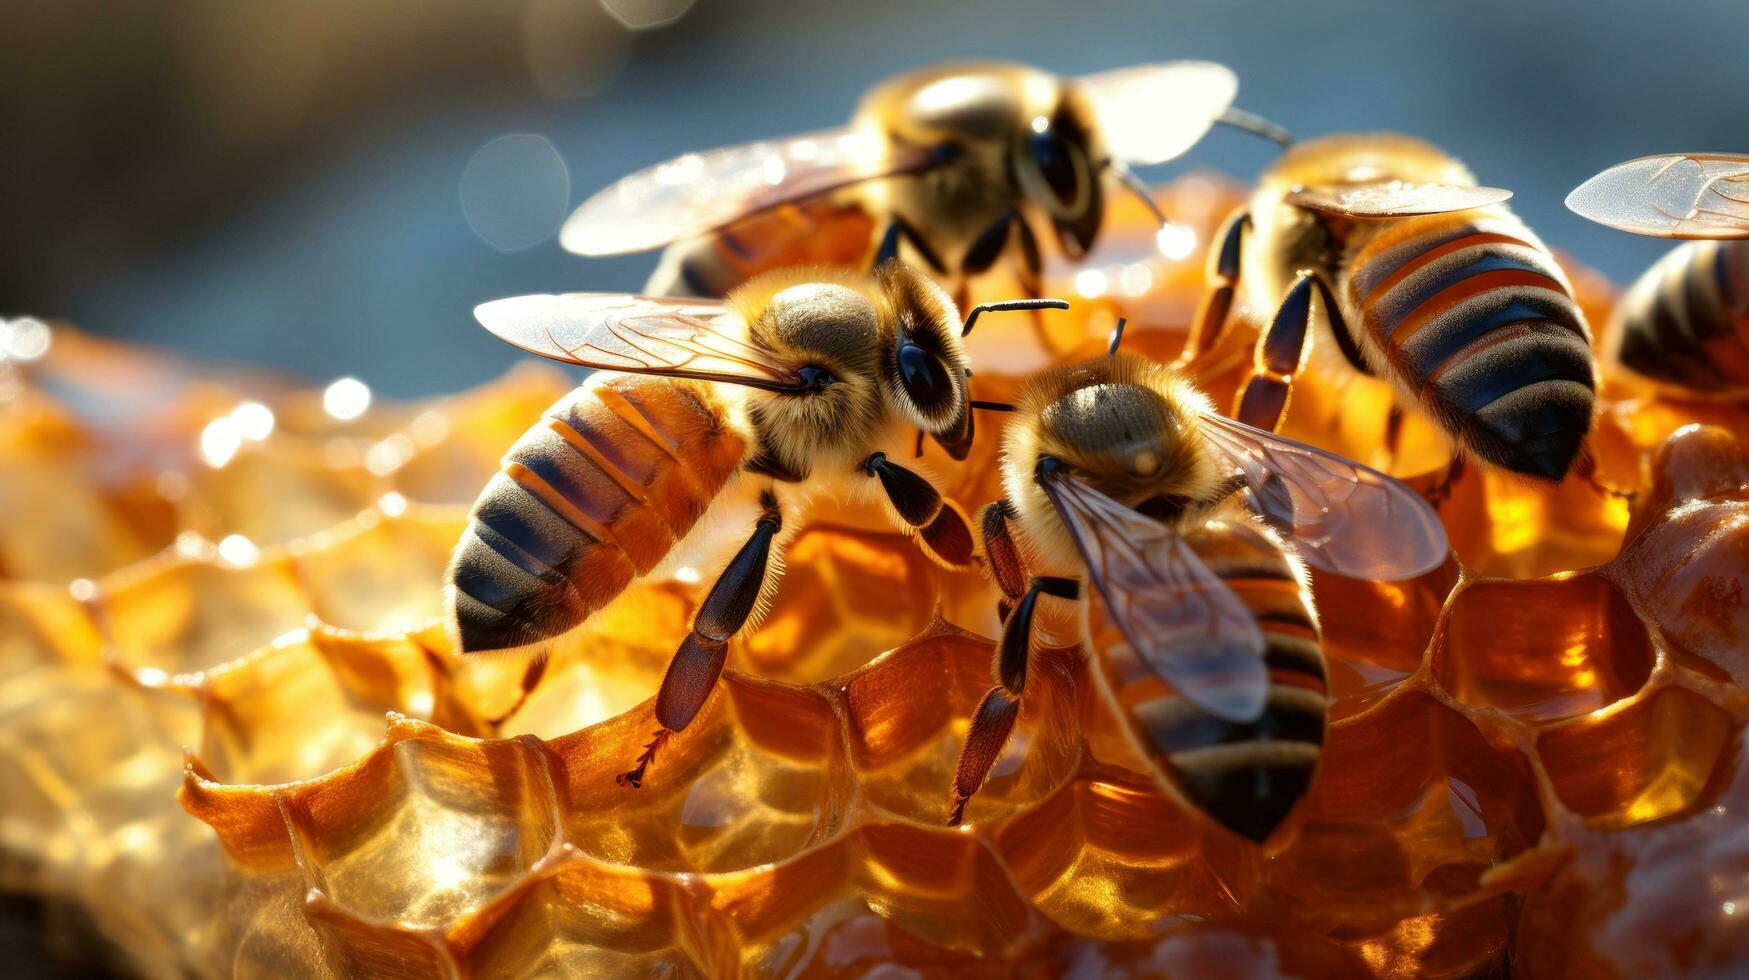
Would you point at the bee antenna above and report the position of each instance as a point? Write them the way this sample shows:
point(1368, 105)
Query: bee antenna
point(1135, 185)
point(1116, 336)
point(1007, 306)
point(1256, 125)
point(991, 406)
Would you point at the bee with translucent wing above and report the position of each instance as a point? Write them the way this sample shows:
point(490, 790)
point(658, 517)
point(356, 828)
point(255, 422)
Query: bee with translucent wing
point(1685, 323)
point(1426, 280)
point(1113, 470)
point(957, 165)
point(742, 409)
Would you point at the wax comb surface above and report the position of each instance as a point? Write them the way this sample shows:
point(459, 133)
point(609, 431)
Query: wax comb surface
point(1533, 756)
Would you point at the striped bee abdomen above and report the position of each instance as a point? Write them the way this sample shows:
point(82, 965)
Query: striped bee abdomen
point(1246, 776)
point(1472, 314)
point(1685, 322)
point(592, 496)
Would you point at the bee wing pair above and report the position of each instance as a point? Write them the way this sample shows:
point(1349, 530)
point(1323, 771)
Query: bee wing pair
point(700, 193)
point(677, 338)
point(1674, 195)
point(1181, 619)
point(1395, 199)
point(1147, 114)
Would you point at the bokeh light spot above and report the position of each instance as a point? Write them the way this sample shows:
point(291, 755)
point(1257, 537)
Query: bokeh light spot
point(1176, 241)
point(220, 440)
point(346, 399)
point(644, 15)
point(254, 420)
point(238, 550)
point(24, 339)
point(572, 49)
point(515, 191)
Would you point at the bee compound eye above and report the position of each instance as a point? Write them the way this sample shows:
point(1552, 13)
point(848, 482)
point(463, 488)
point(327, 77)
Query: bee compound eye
point(814, 377)
point(1056, 160)
point(925, 377)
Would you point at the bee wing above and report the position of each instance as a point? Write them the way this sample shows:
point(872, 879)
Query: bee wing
point(1395, 198)
point(1344, 517)
point(1676, 195)
point(1183, 622)
point(682, 338)
point(1151, 113)
point(699, 193)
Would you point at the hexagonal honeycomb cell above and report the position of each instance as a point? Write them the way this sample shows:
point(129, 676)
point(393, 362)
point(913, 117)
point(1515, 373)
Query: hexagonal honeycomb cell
point(238, 740)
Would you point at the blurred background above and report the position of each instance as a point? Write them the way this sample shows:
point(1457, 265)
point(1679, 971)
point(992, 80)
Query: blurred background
point(329, 187)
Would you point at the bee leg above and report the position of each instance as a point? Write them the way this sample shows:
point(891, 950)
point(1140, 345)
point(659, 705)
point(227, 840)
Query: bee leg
point(1003, 555)
point(1585, 467)
point(1031, 276)
point(693, 672)
point(993, 721)
point(1031, 266)
point(900, 229)
point(537, 668)
point(1442, 493)
point(1223, 281)
point(1280, 352)
point(988, 246)
point(941, 526)
point(1394, 430)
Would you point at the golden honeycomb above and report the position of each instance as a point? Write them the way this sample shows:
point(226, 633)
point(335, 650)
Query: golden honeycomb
point(236, 742)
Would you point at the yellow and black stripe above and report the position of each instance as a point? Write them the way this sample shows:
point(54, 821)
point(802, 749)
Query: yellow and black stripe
point(1685, 322)
point(1247, 776)
point(593, 495)
point(1473, 314)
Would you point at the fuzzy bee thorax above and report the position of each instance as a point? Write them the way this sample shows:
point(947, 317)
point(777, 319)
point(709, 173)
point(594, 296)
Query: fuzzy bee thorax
point(1125, 426)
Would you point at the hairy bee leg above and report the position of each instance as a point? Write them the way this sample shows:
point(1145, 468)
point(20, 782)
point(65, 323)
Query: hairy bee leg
point(915, 500)
point(900, 229)
point(994, 719)
point(922, 509)
point(1280, 352)
point(1003, 555)
point(1223, 282)
point(992, 723)
point(693, 672)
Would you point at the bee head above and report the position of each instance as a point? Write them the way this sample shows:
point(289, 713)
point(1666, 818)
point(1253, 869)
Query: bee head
point(1124, 425)
point(1009, 135)
point(923, 363)
point(1057, 164)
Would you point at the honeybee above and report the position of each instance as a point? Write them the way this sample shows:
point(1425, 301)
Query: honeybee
point(739, 410)
point(955, 164)
point(1113, 470)
point(1685, 322)
point(1426, 280)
